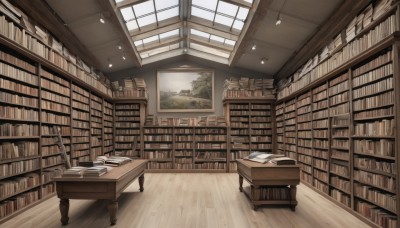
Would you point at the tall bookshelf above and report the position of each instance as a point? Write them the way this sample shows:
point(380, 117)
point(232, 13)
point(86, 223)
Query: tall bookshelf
point(280, 125)
point(354, 142)
point(96, 126)
point(80, 124)
point(129, 119)
point(39, 89)
point(250, 127)
point(108, 130)
point(290, 128)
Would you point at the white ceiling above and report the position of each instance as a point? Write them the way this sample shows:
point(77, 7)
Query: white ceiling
point(300, 20)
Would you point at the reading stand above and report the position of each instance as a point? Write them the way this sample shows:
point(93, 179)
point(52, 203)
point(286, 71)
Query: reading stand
point(269, 183)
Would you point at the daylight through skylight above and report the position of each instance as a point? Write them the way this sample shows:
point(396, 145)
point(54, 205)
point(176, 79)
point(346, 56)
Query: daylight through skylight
point(156, 26)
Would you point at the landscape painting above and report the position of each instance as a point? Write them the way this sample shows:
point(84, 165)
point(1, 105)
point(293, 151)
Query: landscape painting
point(185, 90)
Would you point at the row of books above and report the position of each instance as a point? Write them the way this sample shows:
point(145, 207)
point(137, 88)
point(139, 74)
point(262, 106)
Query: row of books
point(349, 51)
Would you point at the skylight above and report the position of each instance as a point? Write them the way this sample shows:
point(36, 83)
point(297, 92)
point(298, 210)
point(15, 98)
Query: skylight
point(221, 12)
point(157, 38)
point(149, 12)
point(213, 26)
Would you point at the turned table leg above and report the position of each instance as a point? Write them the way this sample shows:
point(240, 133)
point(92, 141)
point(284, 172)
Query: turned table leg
point(64, 208)
point(240, 183)
point(141, 183)
point(112, 210)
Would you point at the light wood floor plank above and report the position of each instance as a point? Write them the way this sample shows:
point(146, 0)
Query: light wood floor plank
point(189, 200)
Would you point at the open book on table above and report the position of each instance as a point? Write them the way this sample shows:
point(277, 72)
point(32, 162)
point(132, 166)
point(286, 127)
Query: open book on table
point(114, 160)
point(278, 159)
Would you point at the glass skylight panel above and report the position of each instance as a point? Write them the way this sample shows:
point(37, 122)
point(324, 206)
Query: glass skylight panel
point(208, 4)
point(209, 50)
point(131, 25)
point(202, 13)
point(159, 50)
point(163, 15)
point(127, 13)
point(199, 33)
point(147, 20)
point(143, 8)
point(150, 39)
point(163, 4)
point(138, 43)
point(238, 25)
point(169, 34)
point(227, 8)
point(224, 20)
point(249, 1)
point(217, 38)
point(242, 14)
point(230, 42)
point(118, 1)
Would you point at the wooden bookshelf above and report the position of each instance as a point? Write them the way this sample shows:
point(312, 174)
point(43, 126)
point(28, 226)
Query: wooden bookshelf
point(108, 130)
point(159, 147)
point(354, 138)
point(250, 127)
point(129, 119)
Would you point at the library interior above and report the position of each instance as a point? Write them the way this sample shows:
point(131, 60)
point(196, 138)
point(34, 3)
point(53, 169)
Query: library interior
point(193, 113)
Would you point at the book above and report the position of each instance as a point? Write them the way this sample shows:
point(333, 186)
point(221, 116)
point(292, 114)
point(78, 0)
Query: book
point(262, 157)
point(95, 171)
point(283, 161)
point(91, 163)
point(75, 171)
point(114, 160)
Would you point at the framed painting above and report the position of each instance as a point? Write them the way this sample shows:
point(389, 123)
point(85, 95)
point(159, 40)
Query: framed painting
point(185, 90)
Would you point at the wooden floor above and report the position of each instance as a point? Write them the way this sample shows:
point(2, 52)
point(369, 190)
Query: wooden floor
point(189, 200)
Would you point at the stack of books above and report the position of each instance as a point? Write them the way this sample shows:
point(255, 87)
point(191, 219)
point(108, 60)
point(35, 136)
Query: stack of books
point(95, 171)
point(114, 160)
point(277, 159)
point(75, 171)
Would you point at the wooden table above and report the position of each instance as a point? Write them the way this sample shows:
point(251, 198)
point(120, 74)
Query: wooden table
point(109, 187)
point(268, 175)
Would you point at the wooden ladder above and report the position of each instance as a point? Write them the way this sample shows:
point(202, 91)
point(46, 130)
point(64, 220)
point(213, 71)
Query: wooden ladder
point(61, 146)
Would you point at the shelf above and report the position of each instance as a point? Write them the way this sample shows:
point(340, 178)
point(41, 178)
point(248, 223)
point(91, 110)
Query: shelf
point(376, 107)
point(376, 172)
point(376, 156)
point(340, 175)
point(372, 137)
point(375, 118)
point(375, 203)
point(375, 186)
point(372, 81)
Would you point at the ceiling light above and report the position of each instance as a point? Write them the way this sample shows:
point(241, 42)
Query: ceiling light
point(263, 60)
point(101, 19)
point(253, 47)
point(278, 19)
point(123, 57)
point(185, 50)
point(109, 63)
point(119, 47)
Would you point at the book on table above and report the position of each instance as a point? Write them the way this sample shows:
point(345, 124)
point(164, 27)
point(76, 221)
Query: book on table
point(95, 171)
point(75, 171)
point(114, 160)
point(278, 159)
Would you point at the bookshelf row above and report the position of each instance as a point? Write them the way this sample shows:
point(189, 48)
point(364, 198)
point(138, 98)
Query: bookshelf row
point(342, 133)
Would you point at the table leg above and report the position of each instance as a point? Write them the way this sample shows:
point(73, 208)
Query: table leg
point(141, 183)
point(112, 210)
point(64, 208)
point(293, 190)
point(240, 183)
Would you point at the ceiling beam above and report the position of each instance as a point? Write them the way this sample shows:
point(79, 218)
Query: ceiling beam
point(42, 13)
point(117, 21)
point(212, 30)
point(323, 36)
point(198, 41)
point(207, 56)
point(157, 31)
point(204, 41)
point(239, 3)
point(151, 27)
point(161, 44)
point(128, 3)
point(216, 26)
point(162, 56)
point(256, 14)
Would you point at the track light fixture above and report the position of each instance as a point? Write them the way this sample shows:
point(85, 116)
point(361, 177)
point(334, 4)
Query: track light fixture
point(263, 60)
point(109, 63)
point(278, 19)
point(101, 19)
point(253, 47)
